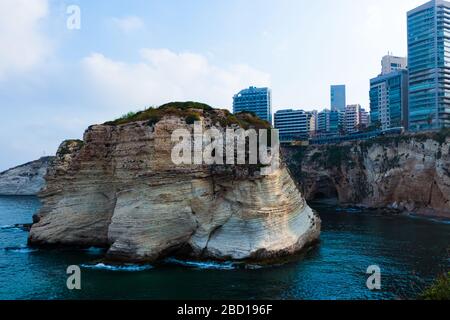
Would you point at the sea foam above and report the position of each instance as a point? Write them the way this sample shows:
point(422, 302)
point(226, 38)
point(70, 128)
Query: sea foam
point(21, 249)
point(124, 268)
point(203, 264)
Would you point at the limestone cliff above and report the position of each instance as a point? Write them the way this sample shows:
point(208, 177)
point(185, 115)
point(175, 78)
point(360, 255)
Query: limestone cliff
point(409, 173)
point(24, 180)
point(118, 188)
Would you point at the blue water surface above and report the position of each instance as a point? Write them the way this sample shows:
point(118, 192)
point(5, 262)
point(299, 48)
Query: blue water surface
point(411, 252)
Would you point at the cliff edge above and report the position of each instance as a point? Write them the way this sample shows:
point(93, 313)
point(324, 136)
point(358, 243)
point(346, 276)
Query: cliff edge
point(118, 188)
point(409, 173)
point(25, 180)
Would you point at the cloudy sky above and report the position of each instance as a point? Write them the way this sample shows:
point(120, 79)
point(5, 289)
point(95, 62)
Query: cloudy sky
point(55, 81)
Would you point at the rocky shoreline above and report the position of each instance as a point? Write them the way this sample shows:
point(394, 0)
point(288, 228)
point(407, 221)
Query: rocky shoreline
point(409, 173)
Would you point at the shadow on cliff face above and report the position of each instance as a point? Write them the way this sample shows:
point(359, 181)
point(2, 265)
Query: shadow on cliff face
point(322, 189)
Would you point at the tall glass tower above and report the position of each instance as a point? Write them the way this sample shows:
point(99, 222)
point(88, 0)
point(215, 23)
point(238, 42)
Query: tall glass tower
point(337, 95)
point(429, 65)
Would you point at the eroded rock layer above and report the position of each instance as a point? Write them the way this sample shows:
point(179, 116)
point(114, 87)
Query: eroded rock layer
point(409, 173)
point(118, 188)
point(24, 180)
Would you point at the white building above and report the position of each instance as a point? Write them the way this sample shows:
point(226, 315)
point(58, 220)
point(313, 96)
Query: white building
point(391, 63)
point(355, 118)
point(364, 118)
point(312, 117)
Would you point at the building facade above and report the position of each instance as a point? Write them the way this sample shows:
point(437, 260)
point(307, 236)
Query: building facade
point(292, 124)
point(353, 118)
point(389, 100)
point(364, 118)
point(256, 100)
point(329, 122)
point(429, 66)
point(391, 63)
point(312, 122)
point(338, 98)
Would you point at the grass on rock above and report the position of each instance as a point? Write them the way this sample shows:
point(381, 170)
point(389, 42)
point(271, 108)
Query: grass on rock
point(192, 112)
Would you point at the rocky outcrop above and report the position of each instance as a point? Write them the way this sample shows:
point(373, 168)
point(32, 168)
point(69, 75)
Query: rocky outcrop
point(409, 173)
point(118, 188)
point(25, 180)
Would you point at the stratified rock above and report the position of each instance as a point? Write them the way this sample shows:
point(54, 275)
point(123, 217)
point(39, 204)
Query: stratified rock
point(409, 173)
point(25, 180)
point(120, 189)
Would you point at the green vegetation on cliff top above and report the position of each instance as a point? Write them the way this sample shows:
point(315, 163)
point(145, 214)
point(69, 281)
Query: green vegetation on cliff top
point(66, 146)
point(440, 290)
point(191, 112)
point(438, 136)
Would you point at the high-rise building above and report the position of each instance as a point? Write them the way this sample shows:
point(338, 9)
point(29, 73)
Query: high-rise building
point(364, 118)
point(292, 124)
point(323, 123)
point(256, 100)
point(329, 122)
point(389, 100)
point(352, 120)
point(429, 66)
point(391, 63)
point(338, 98)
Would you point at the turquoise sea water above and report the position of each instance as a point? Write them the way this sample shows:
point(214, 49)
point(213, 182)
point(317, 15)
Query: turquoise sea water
point(410, 252)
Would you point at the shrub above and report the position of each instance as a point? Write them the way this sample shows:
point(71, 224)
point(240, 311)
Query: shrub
point(249, 120)
point(191, 112)
point(442, 135)
point(337, 155)
point(67, 146)
point(192, 117)
point(316, 156)
point(186, 106)
point(440, 290)
point(154, 115)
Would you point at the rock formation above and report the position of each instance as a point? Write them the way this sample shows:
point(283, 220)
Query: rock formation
point(25, 180)
point(410, 173)
point(118, 188)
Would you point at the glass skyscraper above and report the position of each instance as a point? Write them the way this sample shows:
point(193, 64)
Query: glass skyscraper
point(256, 100)
point(389, 100)
point(429, 65)
point(338, 98)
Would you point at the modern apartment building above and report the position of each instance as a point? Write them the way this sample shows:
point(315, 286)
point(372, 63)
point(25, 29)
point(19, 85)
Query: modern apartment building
point(364, 118)
point(329, 122)
point(355, 118)
point(292, 124)
point(256, 100)
point(338, 98)
point(389, 100)
point(429, 65)
point(391, 63)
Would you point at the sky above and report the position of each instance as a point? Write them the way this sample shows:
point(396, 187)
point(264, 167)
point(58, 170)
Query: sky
point(56, 80)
